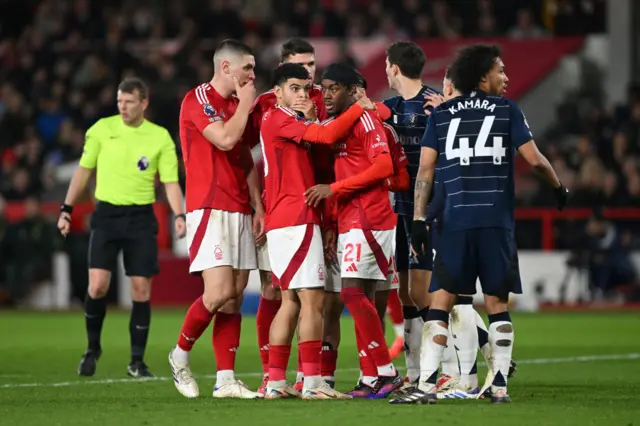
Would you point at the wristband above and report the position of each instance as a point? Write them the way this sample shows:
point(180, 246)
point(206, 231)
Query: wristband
point(182, 215)
point(66, 208)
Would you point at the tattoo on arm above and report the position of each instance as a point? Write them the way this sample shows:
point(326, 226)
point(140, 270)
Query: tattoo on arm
point(422, 193)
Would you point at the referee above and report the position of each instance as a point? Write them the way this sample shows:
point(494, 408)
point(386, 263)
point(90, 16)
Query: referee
point(127, 151)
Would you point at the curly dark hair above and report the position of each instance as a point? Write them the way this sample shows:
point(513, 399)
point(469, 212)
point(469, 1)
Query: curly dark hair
point(471, 64)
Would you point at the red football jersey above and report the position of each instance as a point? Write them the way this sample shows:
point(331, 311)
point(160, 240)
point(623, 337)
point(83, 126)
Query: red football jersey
point(264, 103)
point(288, 169)
point(369, 208)
point(396, 150)
point(216, 179)
point(267, 100)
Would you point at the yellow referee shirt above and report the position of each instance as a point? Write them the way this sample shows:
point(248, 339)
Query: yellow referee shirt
point(127, 159)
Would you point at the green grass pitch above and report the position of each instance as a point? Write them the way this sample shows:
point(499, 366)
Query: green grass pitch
point(573, 369)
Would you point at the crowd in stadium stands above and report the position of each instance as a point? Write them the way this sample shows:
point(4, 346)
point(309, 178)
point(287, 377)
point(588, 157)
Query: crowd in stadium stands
point(61, 60)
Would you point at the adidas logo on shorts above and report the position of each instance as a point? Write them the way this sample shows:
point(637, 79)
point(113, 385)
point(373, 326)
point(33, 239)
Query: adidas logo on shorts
point(352, 268)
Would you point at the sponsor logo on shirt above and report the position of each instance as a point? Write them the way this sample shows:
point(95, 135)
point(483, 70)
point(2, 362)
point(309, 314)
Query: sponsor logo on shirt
point(143, 163)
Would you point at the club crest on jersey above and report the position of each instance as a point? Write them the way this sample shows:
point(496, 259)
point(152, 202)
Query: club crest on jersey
point(209, 110)
point(143, 163)
point(412, 120)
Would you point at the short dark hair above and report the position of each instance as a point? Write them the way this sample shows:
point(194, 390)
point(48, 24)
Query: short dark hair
point(131, 84)
point(447, 72)
point(286, 71)
point(234, 46)
point(341, 73)
point(409, 57)
point(295, 46)
point(471, 64)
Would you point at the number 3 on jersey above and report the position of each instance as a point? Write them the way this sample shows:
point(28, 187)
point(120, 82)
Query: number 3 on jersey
point(464, 152)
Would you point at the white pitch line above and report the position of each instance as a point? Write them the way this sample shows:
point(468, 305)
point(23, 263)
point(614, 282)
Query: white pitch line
point(585, 358)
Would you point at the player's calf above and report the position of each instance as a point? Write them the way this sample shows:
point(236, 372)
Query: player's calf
point(501, 339)
point(219, 288)
point(333, 308)
point(280, 337)
point(465, 340)
point(270, 301)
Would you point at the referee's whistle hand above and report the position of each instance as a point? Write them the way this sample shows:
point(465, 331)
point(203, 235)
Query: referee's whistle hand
point(64, 224)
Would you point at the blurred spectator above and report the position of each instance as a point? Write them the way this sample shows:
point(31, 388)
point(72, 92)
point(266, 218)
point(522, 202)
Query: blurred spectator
point(526, 27)
point(609, 261)
point(29, 260)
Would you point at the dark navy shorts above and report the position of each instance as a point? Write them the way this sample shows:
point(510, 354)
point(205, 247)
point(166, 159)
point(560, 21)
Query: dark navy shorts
point(461, 257)
point(404, 258)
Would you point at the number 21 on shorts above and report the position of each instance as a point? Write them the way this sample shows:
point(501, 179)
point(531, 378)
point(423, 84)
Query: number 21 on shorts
point(348, 252)
point(464, 152)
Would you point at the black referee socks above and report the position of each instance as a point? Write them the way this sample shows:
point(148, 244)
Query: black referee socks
point(139, 329)
point(94, 313)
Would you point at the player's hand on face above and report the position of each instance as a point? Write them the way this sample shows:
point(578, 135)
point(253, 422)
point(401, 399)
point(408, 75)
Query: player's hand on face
point(432, 100)
point(317, 193)
point(366, 103)
point(180, 227)
point(258, 228)
point(419, 238)
point(306, 107)
point(246, 93)
point(64, 224)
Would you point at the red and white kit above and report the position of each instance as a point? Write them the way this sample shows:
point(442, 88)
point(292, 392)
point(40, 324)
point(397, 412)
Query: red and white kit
point(262, 104)
point(366, 222)
point(219, 225)
point(293, 228)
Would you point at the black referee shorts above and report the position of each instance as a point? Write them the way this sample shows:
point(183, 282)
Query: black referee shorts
point(132, 229)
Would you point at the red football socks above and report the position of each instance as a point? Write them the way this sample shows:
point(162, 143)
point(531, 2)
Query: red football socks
point(267, 310)
point(310, 354)
point(394, 308)
point(226, 339)
point(329, 360)
point(368, 323)
point(195, 323)
point(367, 366)
point(278, 360)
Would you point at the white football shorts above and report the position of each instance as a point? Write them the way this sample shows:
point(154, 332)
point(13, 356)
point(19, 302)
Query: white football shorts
point(220, 238)
point(365, 254)
point(296, 256)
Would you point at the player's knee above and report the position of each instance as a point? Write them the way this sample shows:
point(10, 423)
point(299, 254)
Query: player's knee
point(232, 305)
point(267, 290)
point(140, 289)
point(98, 285)
point(214, 300)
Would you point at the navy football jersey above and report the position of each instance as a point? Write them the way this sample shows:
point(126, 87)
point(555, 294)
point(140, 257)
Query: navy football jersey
point(409, 121)
point(476, 137)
